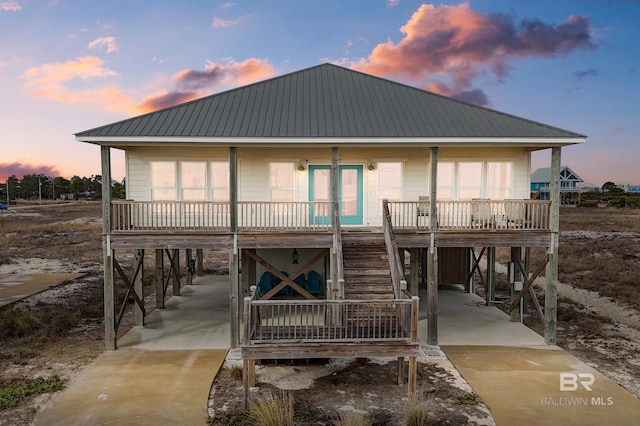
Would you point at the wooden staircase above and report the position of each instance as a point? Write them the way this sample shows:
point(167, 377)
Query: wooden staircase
point(366, 267)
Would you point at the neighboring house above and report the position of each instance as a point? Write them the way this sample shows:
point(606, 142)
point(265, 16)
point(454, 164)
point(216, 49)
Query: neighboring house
point(289, 175)
point(633, 189)
point(624, 186)
point(589, 187)
point(569, 185)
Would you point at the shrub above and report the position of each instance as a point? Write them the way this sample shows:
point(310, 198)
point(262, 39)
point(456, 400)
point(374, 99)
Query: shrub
point(416, 412)
point(273, 411)
point(12, 395)
point(351, 418)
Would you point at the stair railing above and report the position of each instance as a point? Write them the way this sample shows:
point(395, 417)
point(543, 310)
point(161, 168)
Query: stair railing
point(396, 268)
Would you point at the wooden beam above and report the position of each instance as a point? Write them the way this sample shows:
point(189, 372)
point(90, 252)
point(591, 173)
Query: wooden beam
point(233, 188)
point(432, 256)
point(129, 284)
point(159, 279)
point(234, 300)
point(551, 293)
point(138, 286)
point(529, 282)
point(175, 266)
point(190, 266)
point(490, 295)
point(414, 271)
point(109, 286)
point(516, 256)
point(199, 262)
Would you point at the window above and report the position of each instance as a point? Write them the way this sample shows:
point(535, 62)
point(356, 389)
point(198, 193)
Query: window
point(163, 181)
point(445, 181)
point(194, 178)
point(469, 181)
point(389, 182)
point(281, 181)
point(498, 180)
point(219, 181)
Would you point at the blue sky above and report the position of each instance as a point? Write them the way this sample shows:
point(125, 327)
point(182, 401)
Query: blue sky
point(70, 65)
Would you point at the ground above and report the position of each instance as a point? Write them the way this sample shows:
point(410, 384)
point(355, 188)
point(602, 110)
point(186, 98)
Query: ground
point(598, 318)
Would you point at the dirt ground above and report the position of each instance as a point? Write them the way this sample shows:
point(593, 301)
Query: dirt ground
point(598, 319)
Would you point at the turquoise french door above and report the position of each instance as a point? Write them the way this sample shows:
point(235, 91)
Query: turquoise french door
point(349, 193)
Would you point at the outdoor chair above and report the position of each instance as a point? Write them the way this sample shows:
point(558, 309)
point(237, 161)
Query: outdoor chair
point(481, 216)
point(313, 283)
point(422, 211)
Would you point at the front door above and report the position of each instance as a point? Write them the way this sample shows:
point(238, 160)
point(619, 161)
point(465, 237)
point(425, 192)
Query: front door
point(349, 192)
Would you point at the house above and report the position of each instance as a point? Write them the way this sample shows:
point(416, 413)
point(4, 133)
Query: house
point(633, 189)
point(569, 184)
point(330, 172)
point(590, 187)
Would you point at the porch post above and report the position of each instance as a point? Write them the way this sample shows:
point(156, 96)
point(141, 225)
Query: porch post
point(490, 293)
point(335, 170)
point(432, 256)
point(516, 253)
point(551, 296)
point(189, 266)
point(109, 278)
point(414, 271)
point(234, 279)
point(175, 262)
point(199, 262)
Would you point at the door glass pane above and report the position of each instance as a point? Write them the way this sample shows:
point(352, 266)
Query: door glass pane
point(322, 190)
point(349, 192)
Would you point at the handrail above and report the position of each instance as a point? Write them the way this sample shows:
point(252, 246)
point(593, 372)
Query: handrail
point(309, 321)
point(395, 266)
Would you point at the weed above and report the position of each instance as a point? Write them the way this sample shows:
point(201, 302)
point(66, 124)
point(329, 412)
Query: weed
point(11, 395)
point(468, 398)
point(351, 418)
point(273, 411)
point(235, 371)
point(416, 412)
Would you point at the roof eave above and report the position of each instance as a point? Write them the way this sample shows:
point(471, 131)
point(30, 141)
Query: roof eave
point(527, 142)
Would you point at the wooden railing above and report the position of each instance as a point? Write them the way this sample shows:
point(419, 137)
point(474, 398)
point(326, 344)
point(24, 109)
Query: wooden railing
point(253, 216)
point(395, 266)
point(314, 321)
point(472, 215)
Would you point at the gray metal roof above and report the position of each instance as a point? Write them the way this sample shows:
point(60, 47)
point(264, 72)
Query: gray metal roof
point(543, 175)
point(327, 101)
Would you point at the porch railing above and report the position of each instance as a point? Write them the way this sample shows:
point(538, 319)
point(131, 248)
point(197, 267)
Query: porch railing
point(253, 216)
point(472, 215)
point(318, 216)
point(330, 321)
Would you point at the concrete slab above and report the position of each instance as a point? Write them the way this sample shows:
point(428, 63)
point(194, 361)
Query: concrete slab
point(522, 385)
point(14, 287)
point(162, 372)
point(134, 387)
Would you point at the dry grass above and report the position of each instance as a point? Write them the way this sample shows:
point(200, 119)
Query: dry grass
point(416, 412)
point(273, 410)
point(351, 418)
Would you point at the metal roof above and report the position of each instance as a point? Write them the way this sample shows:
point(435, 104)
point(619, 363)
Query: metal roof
point(326, 101)
point(543, 175)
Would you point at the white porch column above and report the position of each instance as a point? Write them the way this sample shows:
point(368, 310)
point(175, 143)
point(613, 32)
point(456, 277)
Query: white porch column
point(432, 256)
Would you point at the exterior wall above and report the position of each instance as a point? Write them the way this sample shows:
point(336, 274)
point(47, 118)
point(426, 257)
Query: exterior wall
point(253, 169)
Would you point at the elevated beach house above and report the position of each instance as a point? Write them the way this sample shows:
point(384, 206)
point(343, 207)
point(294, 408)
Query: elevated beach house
point(339, 196)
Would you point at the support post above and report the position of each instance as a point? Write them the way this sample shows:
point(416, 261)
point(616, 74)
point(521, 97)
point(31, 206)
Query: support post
point(491, 276)
point(551, 295)
point(414, 271)
point(109, 276)
point(138, 285)
point(199, 262)
point(159, 279)
point(516, 253)
point(234, 270)
point(432, 256)
point(175, 262)
point(190, 265)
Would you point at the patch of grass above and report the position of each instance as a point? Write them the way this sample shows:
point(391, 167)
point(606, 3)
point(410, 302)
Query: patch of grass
point(40, 324)
point(11, 395)
point(235, 371)
point(416, 412)
point(273, 410)
point(351, 418)
point(467, 398)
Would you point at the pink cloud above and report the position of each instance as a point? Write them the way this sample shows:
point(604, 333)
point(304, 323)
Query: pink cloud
point(51, 81)
point(108, 43)
point(165, 99)
point(230, 73)
point(18, 170)
point(10, 6)
point(226, 23)
point(457, 44)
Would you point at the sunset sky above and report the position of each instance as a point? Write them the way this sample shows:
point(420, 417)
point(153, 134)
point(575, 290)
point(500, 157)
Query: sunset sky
point(71, 65)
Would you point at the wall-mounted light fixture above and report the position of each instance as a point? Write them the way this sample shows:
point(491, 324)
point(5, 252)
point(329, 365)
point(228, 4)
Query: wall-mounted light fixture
point(300, 166)
point(371, 166)
point(295, 256)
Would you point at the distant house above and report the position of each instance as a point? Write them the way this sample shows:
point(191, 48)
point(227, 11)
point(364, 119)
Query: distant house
point(590, 187)
point(634, 189)
point(569, 184)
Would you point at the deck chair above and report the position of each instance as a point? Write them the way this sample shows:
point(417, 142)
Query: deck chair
point(422, 210)
point(265, 284)
point(481, 216)
point(313, 283)
point(514, 211)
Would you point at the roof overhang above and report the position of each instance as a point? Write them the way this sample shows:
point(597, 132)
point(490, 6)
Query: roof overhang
point(146, 141)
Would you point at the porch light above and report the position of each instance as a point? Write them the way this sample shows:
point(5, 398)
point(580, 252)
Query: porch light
point(371, 166)
point(294, 256)
point(300, 166)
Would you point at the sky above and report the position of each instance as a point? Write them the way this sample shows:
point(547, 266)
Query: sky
point(72, 65)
